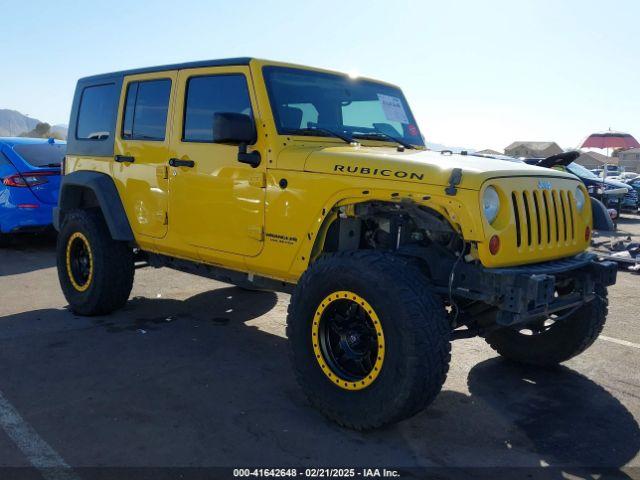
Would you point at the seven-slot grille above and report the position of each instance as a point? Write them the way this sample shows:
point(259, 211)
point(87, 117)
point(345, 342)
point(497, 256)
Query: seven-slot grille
point(544, 217)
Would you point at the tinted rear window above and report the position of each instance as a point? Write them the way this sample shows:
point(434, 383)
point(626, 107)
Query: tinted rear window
point(42, 154)
point(96, 112)
point(145, 115)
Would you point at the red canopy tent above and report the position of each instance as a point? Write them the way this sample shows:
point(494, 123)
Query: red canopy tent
point(610, 139)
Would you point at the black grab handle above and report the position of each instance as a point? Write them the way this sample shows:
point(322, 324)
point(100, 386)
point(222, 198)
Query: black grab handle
point(124, 159)
point(176, 162)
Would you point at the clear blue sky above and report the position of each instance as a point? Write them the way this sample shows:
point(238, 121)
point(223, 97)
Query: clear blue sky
point(477, 73)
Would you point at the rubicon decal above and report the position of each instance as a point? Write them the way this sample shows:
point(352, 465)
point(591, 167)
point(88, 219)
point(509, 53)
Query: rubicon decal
point(378, 172)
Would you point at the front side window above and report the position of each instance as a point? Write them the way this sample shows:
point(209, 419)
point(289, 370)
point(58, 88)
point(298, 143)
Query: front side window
point(305, 102)
point(95, 116)
point(145, 112)
point(208, 95)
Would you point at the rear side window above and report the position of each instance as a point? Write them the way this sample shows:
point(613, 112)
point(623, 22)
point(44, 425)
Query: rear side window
point(42, 154)
point(208, 95)
point(95, 115)
point(145, 113)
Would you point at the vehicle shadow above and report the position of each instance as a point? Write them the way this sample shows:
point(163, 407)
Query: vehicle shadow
point(27, 253)
point(569, 420)
point(207, 382)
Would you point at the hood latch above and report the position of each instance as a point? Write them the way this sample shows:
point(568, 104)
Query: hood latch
point(454, 179)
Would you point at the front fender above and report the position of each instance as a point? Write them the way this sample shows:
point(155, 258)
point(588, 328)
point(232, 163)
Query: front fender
point(454, 209)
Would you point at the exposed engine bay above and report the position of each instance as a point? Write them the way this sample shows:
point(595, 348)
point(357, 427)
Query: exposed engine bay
point(478, 299)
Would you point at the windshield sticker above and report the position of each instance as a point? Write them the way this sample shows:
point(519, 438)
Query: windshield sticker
point(413, 130)
point(393, 109)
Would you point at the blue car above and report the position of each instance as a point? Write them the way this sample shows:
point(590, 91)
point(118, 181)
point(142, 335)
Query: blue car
point(29, 184)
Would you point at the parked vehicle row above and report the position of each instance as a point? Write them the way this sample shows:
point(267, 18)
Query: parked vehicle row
point(613, 192)
point(612, 170)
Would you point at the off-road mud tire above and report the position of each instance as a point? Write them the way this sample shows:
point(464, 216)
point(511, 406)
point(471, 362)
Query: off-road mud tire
point(416, 336)
point(112, 265)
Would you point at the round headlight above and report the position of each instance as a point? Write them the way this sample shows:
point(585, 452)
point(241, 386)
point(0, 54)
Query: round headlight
point(579, 199)
point(490, 204)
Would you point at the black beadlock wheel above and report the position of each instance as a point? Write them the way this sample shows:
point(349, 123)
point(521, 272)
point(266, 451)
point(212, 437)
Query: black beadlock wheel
point(552, 341)
point(95, 271)
point(369, 341)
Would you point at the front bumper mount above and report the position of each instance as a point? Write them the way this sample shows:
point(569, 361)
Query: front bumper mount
point(528, 292)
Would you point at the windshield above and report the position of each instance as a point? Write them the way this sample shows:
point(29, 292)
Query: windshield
point(579, 171)
point(42, 154)
point(306, 102)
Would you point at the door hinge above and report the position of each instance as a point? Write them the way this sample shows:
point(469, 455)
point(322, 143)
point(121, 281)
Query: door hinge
point(258, 180)
point(256, 232)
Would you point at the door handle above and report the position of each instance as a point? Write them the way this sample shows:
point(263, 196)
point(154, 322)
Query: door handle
point(176, 162)
point(124, 159)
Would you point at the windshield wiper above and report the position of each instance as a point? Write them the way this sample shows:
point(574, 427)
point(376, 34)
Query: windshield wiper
point(311, 130)
point(378, 135)
point(50, 165)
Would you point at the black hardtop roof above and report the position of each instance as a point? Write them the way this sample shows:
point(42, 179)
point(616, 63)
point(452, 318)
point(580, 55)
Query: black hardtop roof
point(176, 66)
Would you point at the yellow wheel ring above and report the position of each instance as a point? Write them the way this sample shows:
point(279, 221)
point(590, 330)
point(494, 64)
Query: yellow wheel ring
point(80, 286)
point(321, 356)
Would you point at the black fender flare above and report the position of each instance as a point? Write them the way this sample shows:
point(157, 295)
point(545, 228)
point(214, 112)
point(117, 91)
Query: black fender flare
point(106, 194)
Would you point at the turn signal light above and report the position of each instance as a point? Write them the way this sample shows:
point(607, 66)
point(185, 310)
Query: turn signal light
point(587, 233)
point(494, 244)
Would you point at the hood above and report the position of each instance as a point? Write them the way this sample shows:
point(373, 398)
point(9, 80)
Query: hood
point(419, 166)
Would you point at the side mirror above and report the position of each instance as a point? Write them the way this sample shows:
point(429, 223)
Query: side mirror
point(233, 128)
point(236, 129)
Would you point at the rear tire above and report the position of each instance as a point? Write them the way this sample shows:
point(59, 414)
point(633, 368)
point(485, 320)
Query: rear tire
point(562, 341)
point(95, 271)
point(409, 359)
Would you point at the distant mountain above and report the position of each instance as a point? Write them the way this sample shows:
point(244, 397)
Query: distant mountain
point(14, 123)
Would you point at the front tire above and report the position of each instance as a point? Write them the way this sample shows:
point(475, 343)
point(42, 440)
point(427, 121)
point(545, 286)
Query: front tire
point(95, 271)
point(369, 342)
point(558, 342)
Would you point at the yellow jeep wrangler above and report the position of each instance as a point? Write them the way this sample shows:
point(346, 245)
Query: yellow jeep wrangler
point(275, 176)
